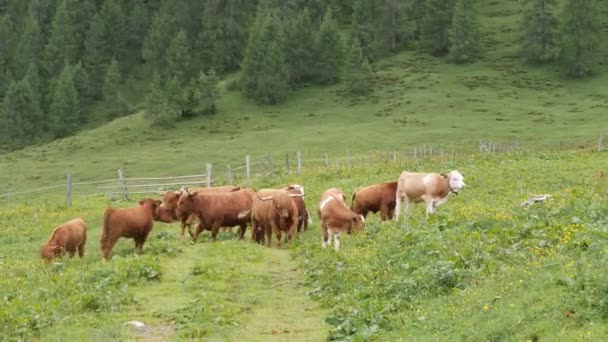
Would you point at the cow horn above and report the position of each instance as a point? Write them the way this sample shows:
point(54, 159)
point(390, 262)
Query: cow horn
point(296, 195)
point(188, 191)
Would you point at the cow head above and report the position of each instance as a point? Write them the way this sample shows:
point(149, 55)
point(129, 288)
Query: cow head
point(456, 181)
point(50, 251)
point(185, 202)
point(295, 188)
point(357, 223)
point(151, 205)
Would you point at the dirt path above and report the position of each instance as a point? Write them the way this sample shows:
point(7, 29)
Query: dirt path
point(281, 311)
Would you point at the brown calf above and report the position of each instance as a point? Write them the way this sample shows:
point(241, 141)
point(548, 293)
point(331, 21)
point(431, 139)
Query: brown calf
point(273, 211)
point(68, 237)
point(215, 210)
point(336, 217)
point(375, 198)
point(304, 218)
point(134, 223)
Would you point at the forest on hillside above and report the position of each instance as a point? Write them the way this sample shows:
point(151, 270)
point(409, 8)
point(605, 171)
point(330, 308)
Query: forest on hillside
point(58, 58)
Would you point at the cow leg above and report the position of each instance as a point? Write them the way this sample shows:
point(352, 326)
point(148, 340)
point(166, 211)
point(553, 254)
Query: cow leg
point(199, 229)
point(214, 229)
point(398, 206)
point(327, 235)
point(277, 233)
point(268, 230)
point(242, 230)
point(384, 212)
point(106, 247)
point(81, 250)
point(337, 241)
point(430, 208)
point(71, 253)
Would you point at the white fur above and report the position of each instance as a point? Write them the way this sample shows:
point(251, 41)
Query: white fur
point(324, 203)
point(427, 179)
point(337, 241)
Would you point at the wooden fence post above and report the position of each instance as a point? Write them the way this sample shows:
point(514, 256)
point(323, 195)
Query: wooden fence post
point(287, 163)
point(248, 169)
point(9, 198)
point(415, 152)
point(600, 143)
point(326, 157)
point(336, 163)
point(229, 174)
point(122, 182)
point(68, 193)
point(394, 156)
point(208, 174)
point(299, 156)
point(431, 150)
point(270, 164)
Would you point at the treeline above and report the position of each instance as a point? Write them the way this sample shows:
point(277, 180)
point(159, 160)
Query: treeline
point(57, 57)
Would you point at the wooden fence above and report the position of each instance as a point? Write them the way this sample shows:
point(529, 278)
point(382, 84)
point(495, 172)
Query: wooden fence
point(122, 186)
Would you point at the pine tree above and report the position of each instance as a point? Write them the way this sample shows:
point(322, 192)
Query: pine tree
point(114, 18)
point(395, 26)
point(29, 48)
point(178, 61)
point(206, 94)
point(65, 107)
point(138, 23)
point(434, 30)
point(83, 85)
point(464, 33)
point(32, 77)
point(5, 36)
point(156, 42)
point(157, 105)
point(265, 70)
point(80, 13)
point(61, 45)
point(21, 114)
point(540, 31)
point(300, 37)
point(358, 74)
point(328, 51)
point(580, 37)
point(365, 27)
point(97, 55)
point(111, 91)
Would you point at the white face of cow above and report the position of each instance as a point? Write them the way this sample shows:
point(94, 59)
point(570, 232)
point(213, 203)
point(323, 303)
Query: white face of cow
point(456, 181)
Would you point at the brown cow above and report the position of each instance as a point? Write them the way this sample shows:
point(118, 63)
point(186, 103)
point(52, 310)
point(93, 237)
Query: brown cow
point(68, 237)
point(336, 217)
point(135, 223)
point(433, 188)
point(215, 210)
point(169, 212)
point(273, 211)
point(304, 218)
point(375, 198)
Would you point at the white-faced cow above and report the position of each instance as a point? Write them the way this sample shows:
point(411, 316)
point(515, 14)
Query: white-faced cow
point(432, 188)
point(336, 217)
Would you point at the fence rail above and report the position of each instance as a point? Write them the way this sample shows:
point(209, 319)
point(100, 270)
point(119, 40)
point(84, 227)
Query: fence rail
point(264, 166)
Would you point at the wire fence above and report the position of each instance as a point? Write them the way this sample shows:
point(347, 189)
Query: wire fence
point(269, 165)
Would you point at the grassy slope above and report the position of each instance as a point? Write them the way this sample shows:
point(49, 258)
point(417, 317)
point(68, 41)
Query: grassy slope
point(418, 100)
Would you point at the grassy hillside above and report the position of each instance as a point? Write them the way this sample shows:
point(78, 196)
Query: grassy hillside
point(418, 100)
point(482, 268)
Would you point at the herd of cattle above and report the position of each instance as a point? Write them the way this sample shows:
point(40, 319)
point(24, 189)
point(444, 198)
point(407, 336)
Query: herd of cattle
point(268, 211)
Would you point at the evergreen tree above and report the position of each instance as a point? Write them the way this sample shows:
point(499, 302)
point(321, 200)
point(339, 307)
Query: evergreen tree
point(114, 19)
point(97, 55)
point(328, 51)
point(224, 33)
point(206, 94)
point(29, 48)
point(20, 114)
point(79, 13)
point(395, 26)
point(540, 31)
point(64, 113)
point(265, 70)
point(435, 26)
point(358, 74)
point(61, 45)
point(157, 106)
point(82, 84)
point(138, 23)
point(365, 27)
point(5, 35)
point(464, 33)
point(300, 37)
point(175, 98)
point(416, 12)
point(580, 37)
point(178, 60)
point(156, 41)
point(32, 77)
point(111, 91)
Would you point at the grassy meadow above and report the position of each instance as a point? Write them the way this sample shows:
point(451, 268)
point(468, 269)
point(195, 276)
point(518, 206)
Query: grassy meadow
point(482, 268)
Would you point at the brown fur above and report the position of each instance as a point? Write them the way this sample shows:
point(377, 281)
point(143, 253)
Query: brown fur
point(375, 198)
point(134, 223)
point(336, 215)
point(215, 210)
point(169, 211)
point(68, 237)
point(273, 211)
point(301, 205)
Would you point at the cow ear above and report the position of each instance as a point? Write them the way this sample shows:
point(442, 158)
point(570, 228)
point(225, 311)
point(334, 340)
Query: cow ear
point(444, 175)
point(158, 202)
point(141, 202)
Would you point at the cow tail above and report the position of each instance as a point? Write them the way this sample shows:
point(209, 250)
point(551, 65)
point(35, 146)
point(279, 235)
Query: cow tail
point(106, 224)
point(352, 202)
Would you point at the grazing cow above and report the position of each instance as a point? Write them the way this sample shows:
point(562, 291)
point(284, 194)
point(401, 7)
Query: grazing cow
point(304, 218)
point(336, 217)
point(169, 212)
point(374, 198)
point(215, 210)
point(68, 237)
point(134, 223)
point(274, 211)
point(433, 188)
